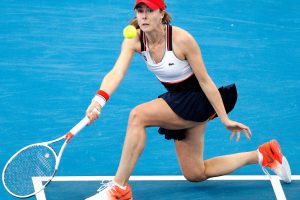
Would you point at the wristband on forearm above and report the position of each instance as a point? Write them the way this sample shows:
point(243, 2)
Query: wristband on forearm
point(101, 97)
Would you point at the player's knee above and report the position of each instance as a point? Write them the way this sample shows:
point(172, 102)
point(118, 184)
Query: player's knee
point(195, 176)
point(136, 117)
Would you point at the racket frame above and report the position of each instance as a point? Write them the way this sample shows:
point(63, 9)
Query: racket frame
point(76, 129)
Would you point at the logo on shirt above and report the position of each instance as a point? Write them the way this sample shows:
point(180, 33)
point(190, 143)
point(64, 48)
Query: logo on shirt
point(145, 58)
point(170, 64)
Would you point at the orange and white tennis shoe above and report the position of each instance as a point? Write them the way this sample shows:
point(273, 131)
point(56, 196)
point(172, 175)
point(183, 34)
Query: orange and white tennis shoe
point(270, 156)
point(112, 191)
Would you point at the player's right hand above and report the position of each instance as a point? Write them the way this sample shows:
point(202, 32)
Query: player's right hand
point(93, 111)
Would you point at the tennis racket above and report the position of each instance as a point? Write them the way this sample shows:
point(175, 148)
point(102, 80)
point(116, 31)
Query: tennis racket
point(36, 160)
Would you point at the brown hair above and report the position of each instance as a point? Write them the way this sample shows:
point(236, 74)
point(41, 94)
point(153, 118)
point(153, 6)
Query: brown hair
point(165, 20)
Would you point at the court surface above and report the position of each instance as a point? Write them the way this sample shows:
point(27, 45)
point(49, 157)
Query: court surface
point(54, 54)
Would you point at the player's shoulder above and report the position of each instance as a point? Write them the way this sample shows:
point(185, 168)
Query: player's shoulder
point(181, 36)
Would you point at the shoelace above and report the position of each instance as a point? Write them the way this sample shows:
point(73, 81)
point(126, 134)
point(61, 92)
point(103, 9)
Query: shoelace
point(106, 185)
point(266, 172)
point(264, 169)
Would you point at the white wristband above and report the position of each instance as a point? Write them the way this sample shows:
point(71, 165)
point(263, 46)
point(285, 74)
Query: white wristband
point(99, 99)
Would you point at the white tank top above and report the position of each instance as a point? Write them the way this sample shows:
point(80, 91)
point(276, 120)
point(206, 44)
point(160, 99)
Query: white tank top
point(171, 69)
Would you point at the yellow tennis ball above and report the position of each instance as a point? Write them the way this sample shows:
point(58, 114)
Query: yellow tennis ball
point(129, 32)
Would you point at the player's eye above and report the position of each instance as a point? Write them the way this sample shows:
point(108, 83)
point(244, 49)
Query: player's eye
point(139, 10)
point(149, 10)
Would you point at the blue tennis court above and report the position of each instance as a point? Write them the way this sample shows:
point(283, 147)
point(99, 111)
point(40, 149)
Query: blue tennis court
point(54, 54)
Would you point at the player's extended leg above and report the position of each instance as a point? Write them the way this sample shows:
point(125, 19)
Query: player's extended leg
point(194, 168)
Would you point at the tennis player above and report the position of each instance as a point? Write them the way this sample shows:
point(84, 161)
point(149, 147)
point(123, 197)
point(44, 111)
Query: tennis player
point(191, 101)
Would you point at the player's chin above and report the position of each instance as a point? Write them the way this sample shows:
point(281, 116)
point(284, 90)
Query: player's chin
point(146, 28)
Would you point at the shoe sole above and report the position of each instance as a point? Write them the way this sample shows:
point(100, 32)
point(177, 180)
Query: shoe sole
point(284, 171)
point(283, 168)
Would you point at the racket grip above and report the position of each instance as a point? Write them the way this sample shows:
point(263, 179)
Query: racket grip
point(78, 127)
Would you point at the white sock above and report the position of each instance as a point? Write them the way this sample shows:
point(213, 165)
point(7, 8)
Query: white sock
point(260, 157)
point(120, 186)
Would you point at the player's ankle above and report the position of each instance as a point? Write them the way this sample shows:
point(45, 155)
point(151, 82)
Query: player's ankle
point(120, 184)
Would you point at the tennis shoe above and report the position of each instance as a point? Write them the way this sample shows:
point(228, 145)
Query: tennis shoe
point(112, 191)
point(270, 156)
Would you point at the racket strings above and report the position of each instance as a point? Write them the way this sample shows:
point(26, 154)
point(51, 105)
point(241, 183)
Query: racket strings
point(35, 161)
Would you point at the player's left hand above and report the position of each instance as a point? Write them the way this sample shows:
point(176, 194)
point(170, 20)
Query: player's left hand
point(236, 128)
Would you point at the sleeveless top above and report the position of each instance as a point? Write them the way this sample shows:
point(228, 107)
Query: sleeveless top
point(185, 96)
point(172, 72)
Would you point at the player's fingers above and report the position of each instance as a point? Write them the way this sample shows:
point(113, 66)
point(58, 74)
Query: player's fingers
point(249, 131)
point(96, 113)
point(243, 127)
point(88, 114)
point(247, 134)
point(238, 135)
point(92, 113)
point(232, 135)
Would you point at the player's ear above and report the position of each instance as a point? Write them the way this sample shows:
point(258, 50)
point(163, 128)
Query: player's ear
point(162, 14)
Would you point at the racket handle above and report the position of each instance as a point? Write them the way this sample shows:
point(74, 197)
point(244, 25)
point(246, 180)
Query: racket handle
point(78, 127)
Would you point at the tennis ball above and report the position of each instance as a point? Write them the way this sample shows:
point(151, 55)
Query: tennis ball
point(129, 32)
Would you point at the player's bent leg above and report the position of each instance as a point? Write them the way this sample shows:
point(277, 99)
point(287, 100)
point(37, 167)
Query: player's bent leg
point(226, 164)
point(194, 168)
point(190, 154)
point(190, 157)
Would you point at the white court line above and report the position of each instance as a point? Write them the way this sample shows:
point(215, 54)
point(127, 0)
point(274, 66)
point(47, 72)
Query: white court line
point(278, 190)
point(275, 181)
point(37, 184)
point(161, 178)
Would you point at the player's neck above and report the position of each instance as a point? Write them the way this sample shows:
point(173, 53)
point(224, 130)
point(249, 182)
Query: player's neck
point(157, 36)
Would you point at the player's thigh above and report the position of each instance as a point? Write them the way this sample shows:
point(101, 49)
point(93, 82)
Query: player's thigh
point(190, 153)
point(158, 113)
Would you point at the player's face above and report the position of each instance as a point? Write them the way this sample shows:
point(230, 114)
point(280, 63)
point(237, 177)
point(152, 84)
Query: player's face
point(148, 19)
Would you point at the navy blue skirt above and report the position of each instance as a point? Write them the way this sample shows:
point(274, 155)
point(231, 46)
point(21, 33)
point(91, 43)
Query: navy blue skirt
point(193, 105)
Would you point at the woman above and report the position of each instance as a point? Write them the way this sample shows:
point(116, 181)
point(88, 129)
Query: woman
point(182, 113)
